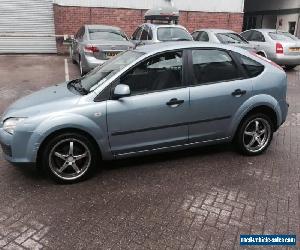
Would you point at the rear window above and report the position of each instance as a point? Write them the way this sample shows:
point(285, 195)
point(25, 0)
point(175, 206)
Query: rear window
point(173, 34)
point(111, 35)
point(282, 36)
point(230, 38)
point(252, 67)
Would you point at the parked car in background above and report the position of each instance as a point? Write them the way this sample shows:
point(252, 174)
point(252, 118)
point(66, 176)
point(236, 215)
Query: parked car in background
point(281, 47)
point(161, 25)
point(156, 98)
point(95, 44)
point(149, 33)
point(222, 36)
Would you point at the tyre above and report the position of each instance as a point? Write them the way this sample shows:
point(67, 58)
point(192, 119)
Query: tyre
point(69, 157)
point(290, 67)
point(255, 134)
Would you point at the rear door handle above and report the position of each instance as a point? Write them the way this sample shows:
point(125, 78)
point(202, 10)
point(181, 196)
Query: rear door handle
point(174, 102)
point(239, 92)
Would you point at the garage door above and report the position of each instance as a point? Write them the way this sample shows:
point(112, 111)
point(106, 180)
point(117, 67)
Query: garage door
point(26, 18)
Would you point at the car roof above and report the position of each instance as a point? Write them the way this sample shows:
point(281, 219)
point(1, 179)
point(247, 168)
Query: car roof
point(217, 30)
point(266, 30)
point(104, 27)
point(165, 46)
point(156, 25)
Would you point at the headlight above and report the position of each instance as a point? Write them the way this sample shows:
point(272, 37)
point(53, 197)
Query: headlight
point(10, 124)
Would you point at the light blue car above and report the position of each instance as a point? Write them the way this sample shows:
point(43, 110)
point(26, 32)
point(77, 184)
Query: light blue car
point(157, 98)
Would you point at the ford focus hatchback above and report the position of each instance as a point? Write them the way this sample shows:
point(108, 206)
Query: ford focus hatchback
point(157, 98)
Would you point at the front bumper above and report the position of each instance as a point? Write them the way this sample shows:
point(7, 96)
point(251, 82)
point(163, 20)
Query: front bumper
point(287, 60)
point(18, 148)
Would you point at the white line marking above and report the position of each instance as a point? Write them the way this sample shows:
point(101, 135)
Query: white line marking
point(67, 77)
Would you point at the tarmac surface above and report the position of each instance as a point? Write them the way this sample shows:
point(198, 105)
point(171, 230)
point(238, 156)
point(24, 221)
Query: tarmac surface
point(195, 199)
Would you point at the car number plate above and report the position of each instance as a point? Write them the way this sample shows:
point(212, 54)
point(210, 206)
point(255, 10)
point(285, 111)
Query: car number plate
point(295, 49)
point(111, 54)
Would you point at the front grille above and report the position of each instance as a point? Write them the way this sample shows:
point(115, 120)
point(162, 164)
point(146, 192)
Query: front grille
point(6, 149)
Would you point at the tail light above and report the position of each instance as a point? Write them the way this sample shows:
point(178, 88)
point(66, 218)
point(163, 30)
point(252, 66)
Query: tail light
point(268, 60)
point(279, 48)
point(91, 48)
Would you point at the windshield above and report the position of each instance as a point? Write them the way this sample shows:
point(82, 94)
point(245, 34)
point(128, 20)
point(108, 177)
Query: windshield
point(283, 36)
point(230, 38)
point(173, 34)
point(111, 35)
point(104, 72)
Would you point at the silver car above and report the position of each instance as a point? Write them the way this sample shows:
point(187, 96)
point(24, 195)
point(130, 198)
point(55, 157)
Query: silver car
point(281, 47)
point(157, 98)
point(95, 44)
point(149, 33)
point(222, 36)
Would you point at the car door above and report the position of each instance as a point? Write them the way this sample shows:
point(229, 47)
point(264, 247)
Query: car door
point(155, 114)
point(218, 87)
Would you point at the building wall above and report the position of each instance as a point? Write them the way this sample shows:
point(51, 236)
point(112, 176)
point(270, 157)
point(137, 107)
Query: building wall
point(68, 19)
point(186, 5)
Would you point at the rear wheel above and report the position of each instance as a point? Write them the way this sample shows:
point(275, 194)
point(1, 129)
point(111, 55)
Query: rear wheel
point(255, 134)
point(69, 157)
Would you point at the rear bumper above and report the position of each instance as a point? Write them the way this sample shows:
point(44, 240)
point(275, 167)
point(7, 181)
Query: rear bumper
point(287, 60)
point(90, 63)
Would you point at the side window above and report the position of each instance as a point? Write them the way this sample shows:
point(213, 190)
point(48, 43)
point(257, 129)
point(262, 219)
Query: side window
point(78, 33)
point(160, 72)
point(203, 36)
point(195, 35)
point(257, 37)
point(252, 67)
point(145, 33)
point(213, 66)
point(137, 34)
point(150, 34)
point(247, 35)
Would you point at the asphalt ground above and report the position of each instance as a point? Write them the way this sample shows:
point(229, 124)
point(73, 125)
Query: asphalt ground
point(195, 199)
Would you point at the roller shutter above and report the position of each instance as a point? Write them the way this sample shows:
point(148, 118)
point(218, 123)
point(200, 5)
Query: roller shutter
point(27, 17)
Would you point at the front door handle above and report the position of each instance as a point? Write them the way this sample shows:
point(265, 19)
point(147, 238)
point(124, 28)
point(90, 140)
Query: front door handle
point(174, 102)
point(239, 92)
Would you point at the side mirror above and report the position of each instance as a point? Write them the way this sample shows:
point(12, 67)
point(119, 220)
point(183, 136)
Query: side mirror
point(121, 90)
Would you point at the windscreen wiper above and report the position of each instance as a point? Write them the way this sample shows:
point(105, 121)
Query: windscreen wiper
point(76, 84)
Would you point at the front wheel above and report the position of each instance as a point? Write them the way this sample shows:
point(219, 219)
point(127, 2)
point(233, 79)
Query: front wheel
point(69, 157)
point(254, 134)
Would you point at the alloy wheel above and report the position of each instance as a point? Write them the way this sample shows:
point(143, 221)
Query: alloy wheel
point(257, 135)
point(69, 159)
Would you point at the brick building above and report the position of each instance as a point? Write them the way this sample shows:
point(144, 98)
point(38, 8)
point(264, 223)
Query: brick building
point(68, 15)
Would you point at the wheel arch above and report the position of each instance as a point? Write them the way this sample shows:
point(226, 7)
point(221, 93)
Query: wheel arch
point(262, 53)
point(260, 109)
point(62, 131)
